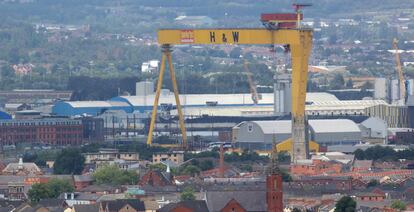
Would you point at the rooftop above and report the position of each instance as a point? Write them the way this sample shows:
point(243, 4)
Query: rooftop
point(80, 104)
point(221, 99)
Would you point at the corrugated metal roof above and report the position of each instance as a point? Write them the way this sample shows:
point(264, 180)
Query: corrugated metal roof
point(333, 125)
point(319, 126)
point(275, 127)
point(79, 104)
point(317, 106)
point(221, 99)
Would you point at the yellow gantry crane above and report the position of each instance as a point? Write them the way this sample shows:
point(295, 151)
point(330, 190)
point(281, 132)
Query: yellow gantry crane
point(399, 70)
point(280, 29)
point(252, 85)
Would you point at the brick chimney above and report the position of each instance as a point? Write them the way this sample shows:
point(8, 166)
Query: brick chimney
point(274, 193)
point(221, 165)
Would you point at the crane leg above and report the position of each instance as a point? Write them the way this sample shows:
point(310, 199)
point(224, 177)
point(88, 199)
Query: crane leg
point(300, 56)
point(157, 97)
point(177, 99)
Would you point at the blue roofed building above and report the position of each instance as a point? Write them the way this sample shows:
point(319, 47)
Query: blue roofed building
point(92, 108)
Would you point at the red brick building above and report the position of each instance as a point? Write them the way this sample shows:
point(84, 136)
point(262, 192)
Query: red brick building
point(82, 181)
point(185, 206)
point(233, 206)
point(316, 167)
point(156, 178)
point(56, 131)
point(371, 197)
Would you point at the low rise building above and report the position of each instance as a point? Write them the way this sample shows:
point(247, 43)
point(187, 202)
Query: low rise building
point(156, 178)
point(317, 185)
point(82, 181)
point(53, 131)
point(105, 155)
point(22, 169)
point(371, 196)
point(261, 134)
point(176, 157)
point(362, 166)
point(315, 167)
point(124, 160)
point(189, 206)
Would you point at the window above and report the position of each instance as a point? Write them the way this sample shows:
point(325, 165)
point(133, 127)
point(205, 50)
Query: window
point(250, 127)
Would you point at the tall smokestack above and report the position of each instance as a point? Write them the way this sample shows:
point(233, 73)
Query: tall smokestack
point(221, 166)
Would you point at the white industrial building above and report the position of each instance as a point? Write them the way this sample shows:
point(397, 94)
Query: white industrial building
point(374, 127)
point(326, 132)
point(381, 88)
point(150, 66)
point(389, 89)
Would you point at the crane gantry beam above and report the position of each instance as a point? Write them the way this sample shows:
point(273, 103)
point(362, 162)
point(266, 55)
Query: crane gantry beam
point(299, 41)
point(250, 36)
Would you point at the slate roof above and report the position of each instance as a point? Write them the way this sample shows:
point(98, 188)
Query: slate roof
point(99, 188)
point(194, 205)
point(31, 168)
point(116, 205)
point(249, 200)
point(81, 196)
point(86, 208)
point(51, 202)
point(363, 163)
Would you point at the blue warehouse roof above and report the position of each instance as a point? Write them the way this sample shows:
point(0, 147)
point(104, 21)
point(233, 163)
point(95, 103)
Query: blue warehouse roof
point(73, 108)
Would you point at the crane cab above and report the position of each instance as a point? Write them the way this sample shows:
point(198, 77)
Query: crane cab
point(280, 20)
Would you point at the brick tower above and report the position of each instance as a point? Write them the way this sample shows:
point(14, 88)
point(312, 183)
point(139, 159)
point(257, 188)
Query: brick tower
point(274, 189)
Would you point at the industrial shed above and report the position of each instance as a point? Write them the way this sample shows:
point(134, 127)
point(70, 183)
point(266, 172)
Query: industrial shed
point(260, 134)
point(327, 132)
point(145, 102)
point(93, 108)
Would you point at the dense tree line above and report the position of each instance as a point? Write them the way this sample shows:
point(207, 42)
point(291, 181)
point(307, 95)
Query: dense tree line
point(113, 175)
point(39, 157)
point(96, 88)
point(383, 153)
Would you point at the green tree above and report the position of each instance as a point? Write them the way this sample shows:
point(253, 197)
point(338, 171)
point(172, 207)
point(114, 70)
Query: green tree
point(187, 194)
point(158, 166)
point(113, 175)
point(51, 189)
point(58, 186)
point(345, 204)
point(206, 165)
point(337, 82)
point(38, 191)
point(283, 157)
point(69, 161)
point(398, 205)
point(190, 170)
point(286, 176)
point(359, 154)
point(373, 183)
point(246, 167)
